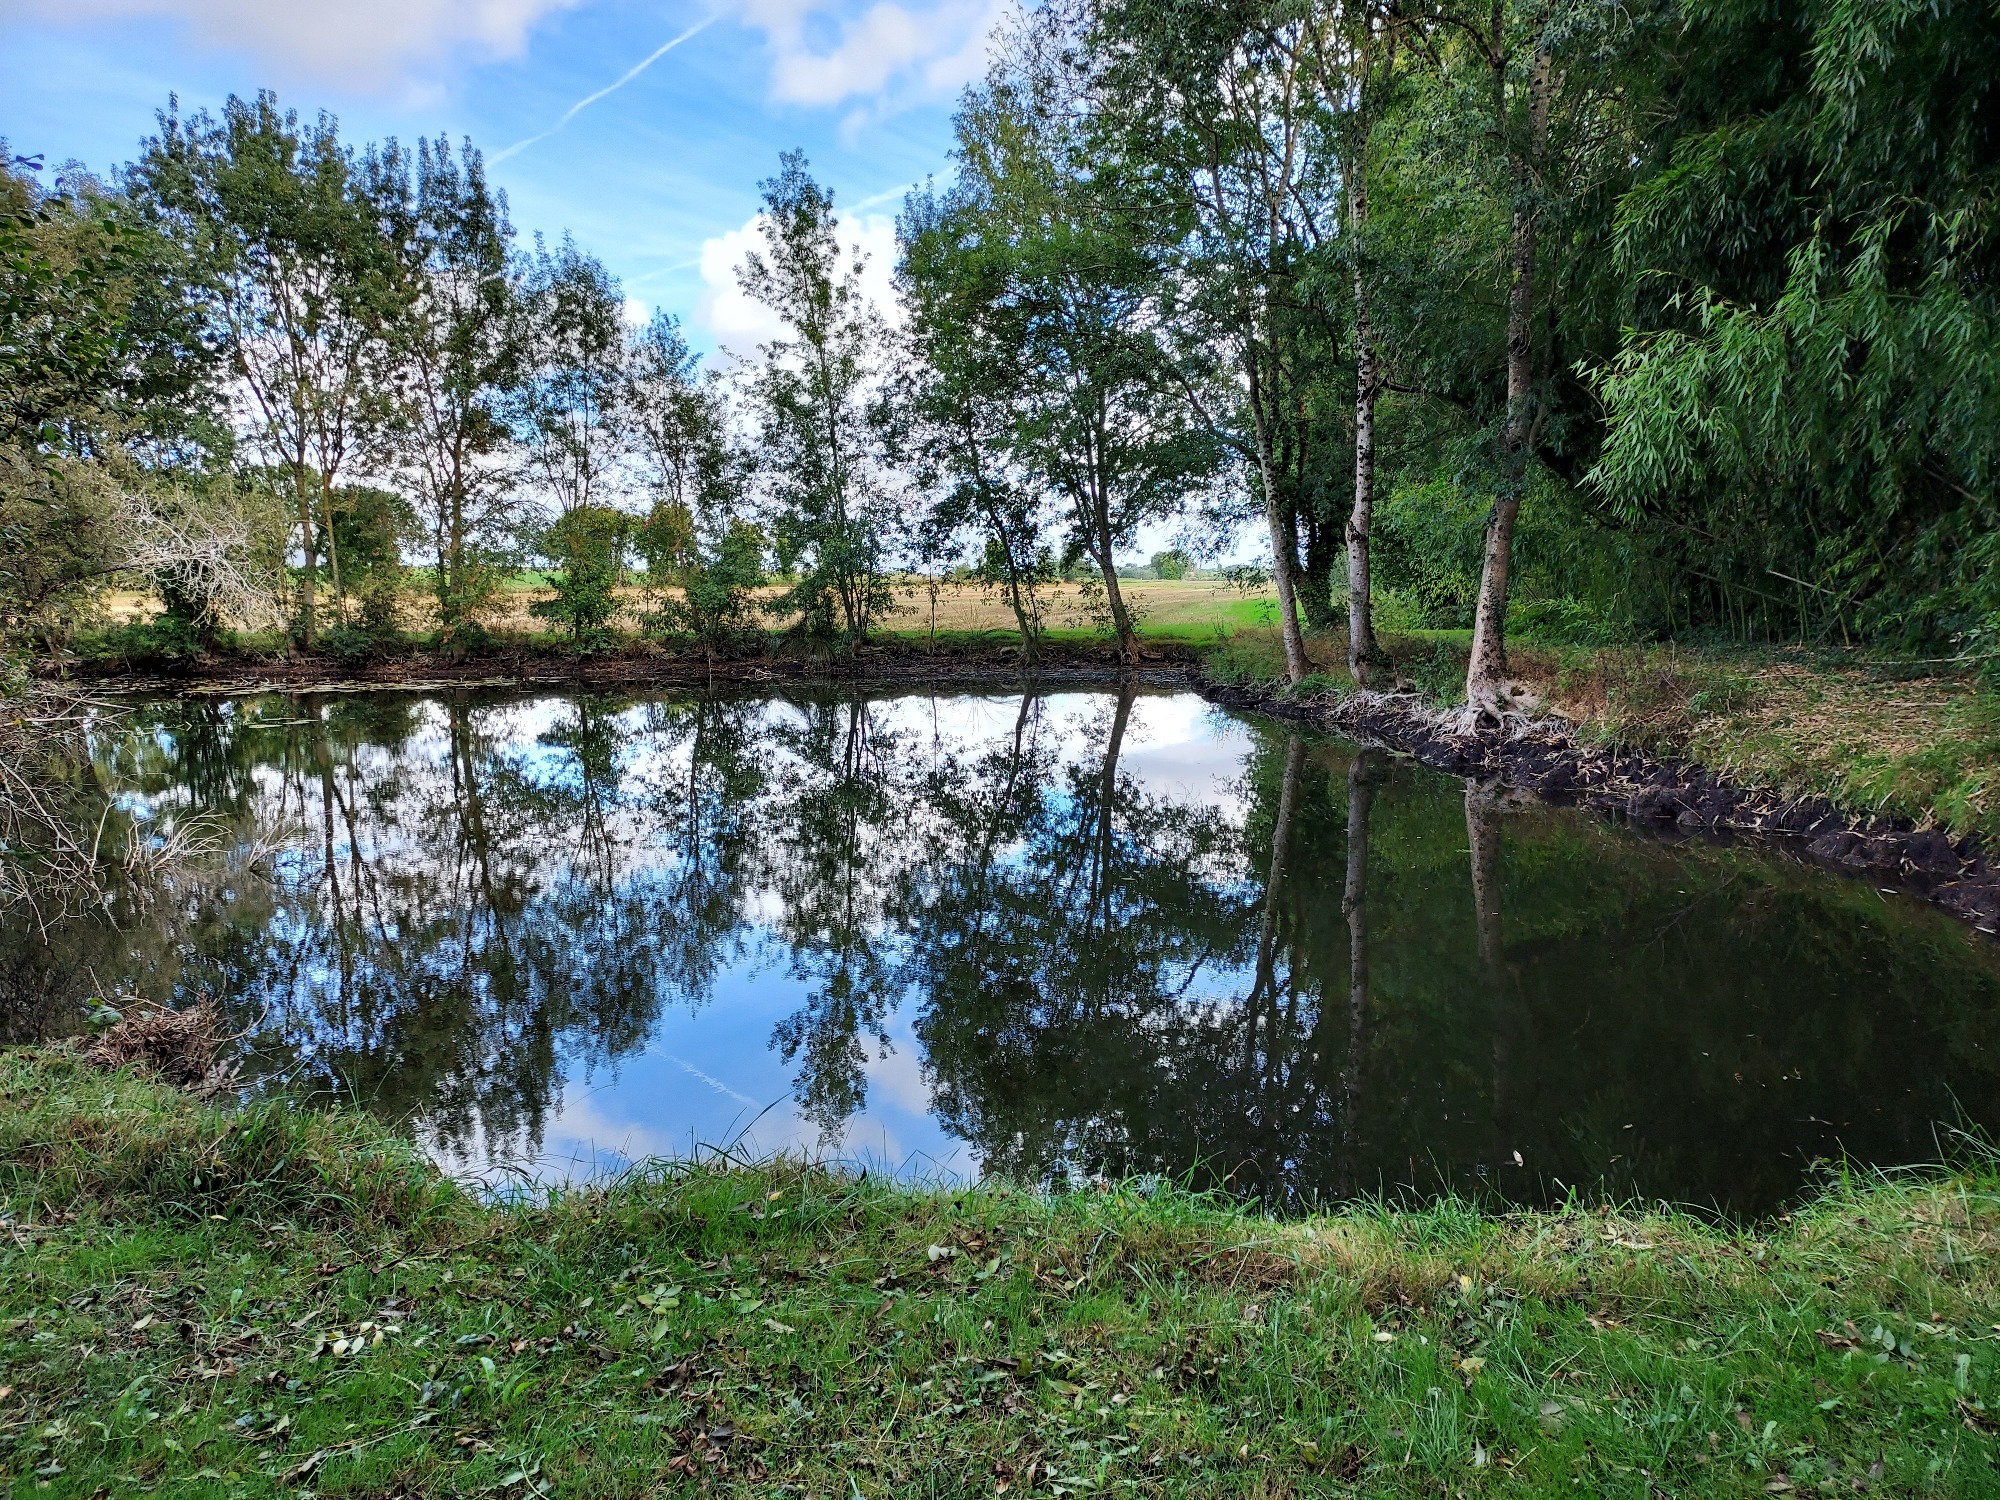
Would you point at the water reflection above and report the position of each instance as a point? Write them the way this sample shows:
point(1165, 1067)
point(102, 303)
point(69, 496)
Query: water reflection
point(1049, 935)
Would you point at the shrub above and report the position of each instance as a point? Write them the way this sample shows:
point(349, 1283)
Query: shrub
point(588, 545)
point(715, 602)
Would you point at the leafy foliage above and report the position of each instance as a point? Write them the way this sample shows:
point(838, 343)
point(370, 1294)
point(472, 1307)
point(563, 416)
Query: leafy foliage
point(587, 544)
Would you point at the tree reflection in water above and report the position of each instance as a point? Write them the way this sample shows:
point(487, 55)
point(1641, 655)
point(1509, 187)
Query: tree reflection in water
point(1279, 984)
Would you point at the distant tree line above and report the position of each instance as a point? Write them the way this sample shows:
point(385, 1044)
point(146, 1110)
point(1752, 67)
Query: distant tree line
point(1654, 319)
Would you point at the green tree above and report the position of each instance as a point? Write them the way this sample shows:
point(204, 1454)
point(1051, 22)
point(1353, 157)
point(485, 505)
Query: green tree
point(587, 544)
point(1231, 103)
point(369, 526)
point(819, 428)
point(114, 457)
point(677, 422)
point(1045, 257)
point(453, 362)
point(568, 403)
point(704, 592)
point(1806, 409)
point(298, 282)
point(955, 393)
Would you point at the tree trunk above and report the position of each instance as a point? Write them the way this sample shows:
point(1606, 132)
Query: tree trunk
point(1486, 686)
point(1282, 556)
point(307, 582)
point(1364, 655)
point(332, 549)
point(1363, 772)
point(1114, 598)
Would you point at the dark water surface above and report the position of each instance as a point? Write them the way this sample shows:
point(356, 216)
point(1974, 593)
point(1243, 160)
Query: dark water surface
point(1045, 935)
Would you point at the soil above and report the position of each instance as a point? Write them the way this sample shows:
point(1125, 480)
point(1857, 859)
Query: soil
point(1660, 794)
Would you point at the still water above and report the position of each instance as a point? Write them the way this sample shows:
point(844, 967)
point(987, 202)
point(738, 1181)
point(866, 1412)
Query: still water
point(1049, 935)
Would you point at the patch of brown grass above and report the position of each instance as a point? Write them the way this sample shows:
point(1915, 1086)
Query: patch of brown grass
point(178, 1046)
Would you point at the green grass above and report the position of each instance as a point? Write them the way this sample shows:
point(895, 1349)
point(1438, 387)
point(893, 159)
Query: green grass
point(198, 1303)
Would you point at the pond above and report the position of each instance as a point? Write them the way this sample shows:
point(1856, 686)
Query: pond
point(1051, 935)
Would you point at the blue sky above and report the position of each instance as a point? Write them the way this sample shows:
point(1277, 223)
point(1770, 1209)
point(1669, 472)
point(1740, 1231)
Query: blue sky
point(658, 177)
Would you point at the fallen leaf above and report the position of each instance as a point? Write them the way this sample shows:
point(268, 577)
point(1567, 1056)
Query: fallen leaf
point(776, 1327)
point(1385, 1337)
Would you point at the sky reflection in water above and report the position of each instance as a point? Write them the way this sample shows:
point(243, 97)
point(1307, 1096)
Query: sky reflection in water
point(1045, 935)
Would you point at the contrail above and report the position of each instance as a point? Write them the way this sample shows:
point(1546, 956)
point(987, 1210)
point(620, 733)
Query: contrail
point(611, 88)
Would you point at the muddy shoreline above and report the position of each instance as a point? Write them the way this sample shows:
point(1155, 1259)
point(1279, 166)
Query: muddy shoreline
point(1661, 795)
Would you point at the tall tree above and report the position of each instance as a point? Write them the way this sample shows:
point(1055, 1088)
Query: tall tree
point(819, 433)
point(454, 362)
point(1357, 63)
point(1046, 259)
point(1227, 101)
point(956, 391)
point(272, 208)
point(573, 364)
point(677, 422)
point(1543, 99)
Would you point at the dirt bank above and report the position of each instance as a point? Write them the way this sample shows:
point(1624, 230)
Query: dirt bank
point(512, 668)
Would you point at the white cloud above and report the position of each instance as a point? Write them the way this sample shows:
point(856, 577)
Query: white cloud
point(825, 54)
point(635, 313)
point(367, 44)
point(740, 324)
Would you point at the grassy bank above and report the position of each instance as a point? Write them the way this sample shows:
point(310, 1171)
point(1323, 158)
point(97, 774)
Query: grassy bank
point(202, 1303)
point(1871, 732)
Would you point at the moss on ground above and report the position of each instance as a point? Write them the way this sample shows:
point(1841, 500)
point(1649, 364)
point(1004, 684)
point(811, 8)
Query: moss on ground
point(201, 1302)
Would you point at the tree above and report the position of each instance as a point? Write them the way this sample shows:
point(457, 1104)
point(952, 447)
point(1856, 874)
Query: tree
point(568, 403)
point(818, 433)
point(113, 457)
point(1046, 258)
point(1222, 99)
point(1804, 408)
point(955, 392)
point(1364, 54)
point(678, 425)
point(1542, 100)
point(453, 362)
point(705, 591)
point(274, 213)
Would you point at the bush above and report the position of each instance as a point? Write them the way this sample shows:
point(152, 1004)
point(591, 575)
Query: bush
point(1173, 565)
point(588, 545)
point(716, 600)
